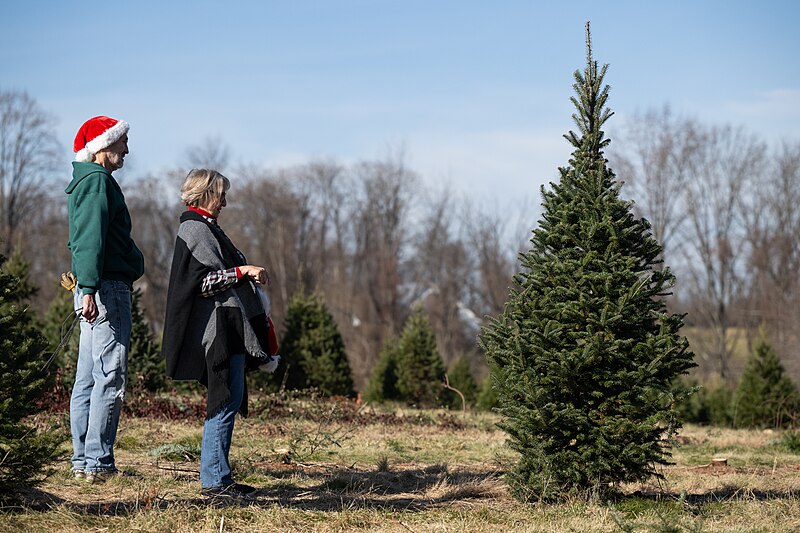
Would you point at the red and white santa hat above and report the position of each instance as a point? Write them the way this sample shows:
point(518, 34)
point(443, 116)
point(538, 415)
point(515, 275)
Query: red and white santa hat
point(97, 133)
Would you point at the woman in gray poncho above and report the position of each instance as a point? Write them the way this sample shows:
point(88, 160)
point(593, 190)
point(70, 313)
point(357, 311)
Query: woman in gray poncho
point(215, 326)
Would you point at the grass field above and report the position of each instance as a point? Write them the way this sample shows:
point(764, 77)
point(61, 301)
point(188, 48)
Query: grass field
point(329, 466)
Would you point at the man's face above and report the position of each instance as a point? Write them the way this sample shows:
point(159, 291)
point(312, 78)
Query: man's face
point(114, 155)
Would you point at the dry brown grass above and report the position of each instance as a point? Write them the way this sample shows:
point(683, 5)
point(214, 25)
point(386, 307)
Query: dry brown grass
point(436, 474)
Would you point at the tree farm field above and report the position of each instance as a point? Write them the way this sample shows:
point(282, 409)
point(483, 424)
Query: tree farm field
point(332, 465)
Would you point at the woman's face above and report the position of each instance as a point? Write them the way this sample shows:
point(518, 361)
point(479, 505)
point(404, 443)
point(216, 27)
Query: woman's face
point(215, 205)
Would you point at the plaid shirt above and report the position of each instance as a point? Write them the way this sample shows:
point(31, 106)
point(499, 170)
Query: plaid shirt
point(218, 281)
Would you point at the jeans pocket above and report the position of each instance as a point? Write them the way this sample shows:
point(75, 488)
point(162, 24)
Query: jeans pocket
point(116, 297)
point(101, 300)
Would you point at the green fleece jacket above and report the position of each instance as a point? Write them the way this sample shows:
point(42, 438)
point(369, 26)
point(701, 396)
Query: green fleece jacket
point(100, 229)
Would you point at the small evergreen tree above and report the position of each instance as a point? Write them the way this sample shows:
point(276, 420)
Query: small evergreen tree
point(313, 348)
point(19, 293)
point(420, 369)
point(382, 385)
point(487, 396)
point(766, 396)
point(146, 366)
point(709, 404)
point(460, 378)
point(26, 450)
point(23, 290)
point(17, 267)
point(585, 352)
point(717, 399)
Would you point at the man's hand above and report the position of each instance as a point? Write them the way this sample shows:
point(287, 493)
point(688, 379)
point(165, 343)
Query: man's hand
point(89, 310)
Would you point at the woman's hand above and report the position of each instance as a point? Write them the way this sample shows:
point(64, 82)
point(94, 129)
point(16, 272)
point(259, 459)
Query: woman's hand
point(256, 273)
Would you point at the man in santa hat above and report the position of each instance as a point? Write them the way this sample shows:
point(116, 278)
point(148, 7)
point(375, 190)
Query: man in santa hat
point(106, 262)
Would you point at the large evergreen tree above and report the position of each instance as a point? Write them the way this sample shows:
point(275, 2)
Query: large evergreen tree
point(766, 396)
point(585, 352)
point(25, 450)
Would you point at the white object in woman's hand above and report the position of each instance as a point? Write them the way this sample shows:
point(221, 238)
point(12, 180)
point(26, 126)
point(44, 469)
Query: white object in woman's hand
point(273, 364)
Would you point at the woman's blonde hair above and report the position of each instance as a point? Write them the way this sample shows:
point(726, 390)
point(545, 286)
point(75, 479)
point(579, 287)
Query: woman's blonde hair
point(203, 185)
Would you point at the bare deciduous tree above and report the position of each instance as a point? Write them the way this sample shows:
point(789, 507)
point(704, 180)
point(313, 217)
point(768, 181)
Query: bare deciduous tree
point(45, 235)
point(29, 154)
point(495, 260)
point(154, 205)
point(773, 226)
point(212, 152)
point(653, 156)
point(726, 162)
point(381, 232)
point(438, 270)
point(265, 217)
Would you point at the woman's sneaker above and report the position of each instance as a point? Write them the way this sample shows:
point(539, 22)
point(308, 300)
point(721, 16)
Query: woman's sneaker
point(234, 490)
point(78, 474)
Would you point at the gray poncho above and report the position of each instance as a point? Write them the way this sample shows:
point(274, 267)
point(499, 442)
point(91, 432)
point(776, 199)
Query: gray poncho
point(201, 333)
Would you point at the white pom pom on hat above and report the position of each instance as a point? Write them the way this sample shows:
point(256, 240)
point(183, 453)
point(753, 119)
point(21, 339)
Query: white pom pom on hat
point(97, 133)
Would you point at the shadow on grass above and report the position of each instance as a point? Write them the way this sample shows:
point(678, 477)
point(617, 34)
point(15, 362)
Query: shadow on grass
point(341, 489)
point(407, 490)
point(720, 495)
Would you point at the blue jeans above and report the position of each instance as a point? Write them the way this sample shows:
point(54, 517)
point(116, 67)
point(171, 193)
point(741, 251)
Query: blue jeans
point(100, 378)
point(215, 467)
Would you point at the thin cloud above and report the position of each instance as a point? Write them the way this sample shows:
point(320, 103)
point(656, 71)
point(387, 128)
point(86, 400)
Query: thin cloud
point(768, 104)
point(494, 164)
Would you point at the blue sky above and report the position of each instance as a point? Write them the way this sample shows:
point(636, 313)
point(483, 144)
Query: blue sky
point(475, 93)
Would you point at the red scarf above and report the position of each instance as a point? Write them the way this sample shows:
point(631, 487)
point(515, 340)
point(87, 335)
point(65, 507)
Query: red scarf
point(201, 211)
